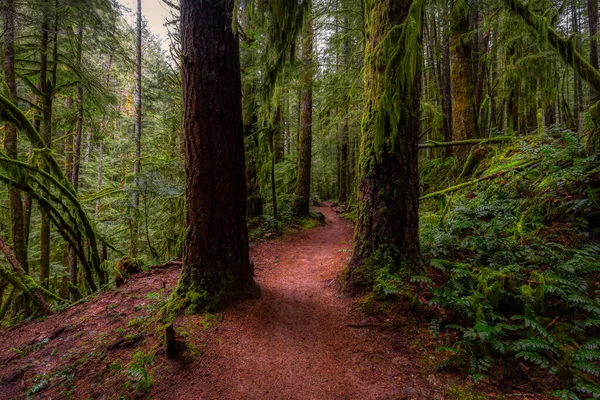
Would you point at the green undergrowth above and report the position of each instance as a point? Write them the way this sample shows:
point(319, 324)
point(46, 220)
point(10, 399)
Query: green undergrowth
point(515, 263)
point(264, 228)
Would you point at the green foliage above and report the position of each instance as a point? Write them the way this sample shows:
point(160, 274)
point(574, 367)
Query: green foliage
point(137, 371)
point(524, 285)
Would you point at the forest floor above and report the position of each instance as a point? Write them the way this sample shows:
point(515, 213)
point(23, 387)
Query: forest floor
point(299, 340)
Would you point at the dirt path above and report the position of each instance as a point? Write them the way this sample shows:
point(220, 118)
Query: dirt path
point(294, 342)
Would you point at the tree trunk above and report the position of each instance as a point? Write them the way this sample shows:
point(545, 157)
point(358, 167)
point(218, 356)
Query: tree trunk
point(593, 24)
point(101, 147)
point(302, 201)
point(46, 134)
point(11, 138)
point(447, 89)
point(387, 234)
point(255, 201)
point(216, 266)
point(464, 117)
point(77, 152)
point(138, 135)
point(343, 180)
point(577, 92)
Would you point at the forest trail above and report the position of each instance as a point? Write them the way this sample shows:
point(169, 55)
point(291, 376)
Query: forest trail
point(294, 342)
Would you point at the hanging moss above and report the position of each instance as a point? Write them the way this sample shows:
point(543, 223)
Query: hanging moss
point(593, 143)
point(400, 52)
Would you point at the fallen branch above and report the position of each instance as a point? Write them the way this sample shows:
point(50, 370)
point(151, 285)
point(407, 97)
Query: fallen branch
point(473, 182)
point(167, 265)
point(468, 142)
point(24, 282)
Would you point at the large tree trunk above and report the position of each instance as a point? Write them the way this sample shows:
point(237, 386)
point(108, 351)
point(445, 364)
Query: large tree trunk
point(464, 117)
point(11, 138)
point(216, 267)
point(302, 201)
point(137, 164)
point(387, 235)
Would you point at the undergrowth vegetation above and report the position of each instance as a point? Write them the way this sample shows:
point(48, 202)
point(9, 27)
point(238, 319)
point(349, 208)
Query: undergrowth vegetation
point(515, 262)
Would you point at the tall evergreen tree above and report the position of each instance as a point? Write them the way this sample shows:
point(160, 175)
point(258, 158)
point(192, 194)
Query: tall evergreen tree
point(464, 117)
point(302, 203)
point(216, 266)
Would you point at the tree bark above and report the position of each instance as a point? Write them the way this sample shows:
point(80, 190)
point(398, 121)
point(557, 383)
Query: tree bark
point(11, 137)
point(77, 152)
point(343, 180)
point(593, 25)
point(577, 80)
point(137, 164)
point(447, 89)
point(216, 268)
point(302, 201)
point(46, 134)
point(464, 116)
point(386, 234)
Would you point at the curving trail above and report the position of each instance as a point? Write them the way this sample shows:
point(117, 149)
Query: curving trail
point(294, 342)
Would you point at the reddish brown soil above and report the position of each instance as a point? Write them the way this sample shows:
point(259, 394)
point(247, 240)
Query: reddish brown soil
point(300, 340)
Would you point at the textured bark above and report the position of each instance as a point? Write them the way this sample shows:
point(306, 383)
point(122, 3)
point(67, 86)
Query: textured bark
point(481, 71)
point(216, 267)
point(343, 170)
point(11, 138)
point(302, 201)
point(386, 235)
point(464, 116)
point(77, 153)
point(593, 28)
point(577, 91)
point(447, 90)
point(137, 164)
point(46, 134)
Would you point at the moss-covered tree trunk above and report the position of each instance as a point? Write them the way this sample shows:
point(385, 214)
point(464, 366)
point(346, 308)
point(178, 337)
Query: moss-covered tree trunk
point(345, 131)
point(11, 138)
point(447, 86)
point(302, 201)
point(593, 31)
point(464, 117)
point(46, 133)
point(386, 235)
point(216, 266)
